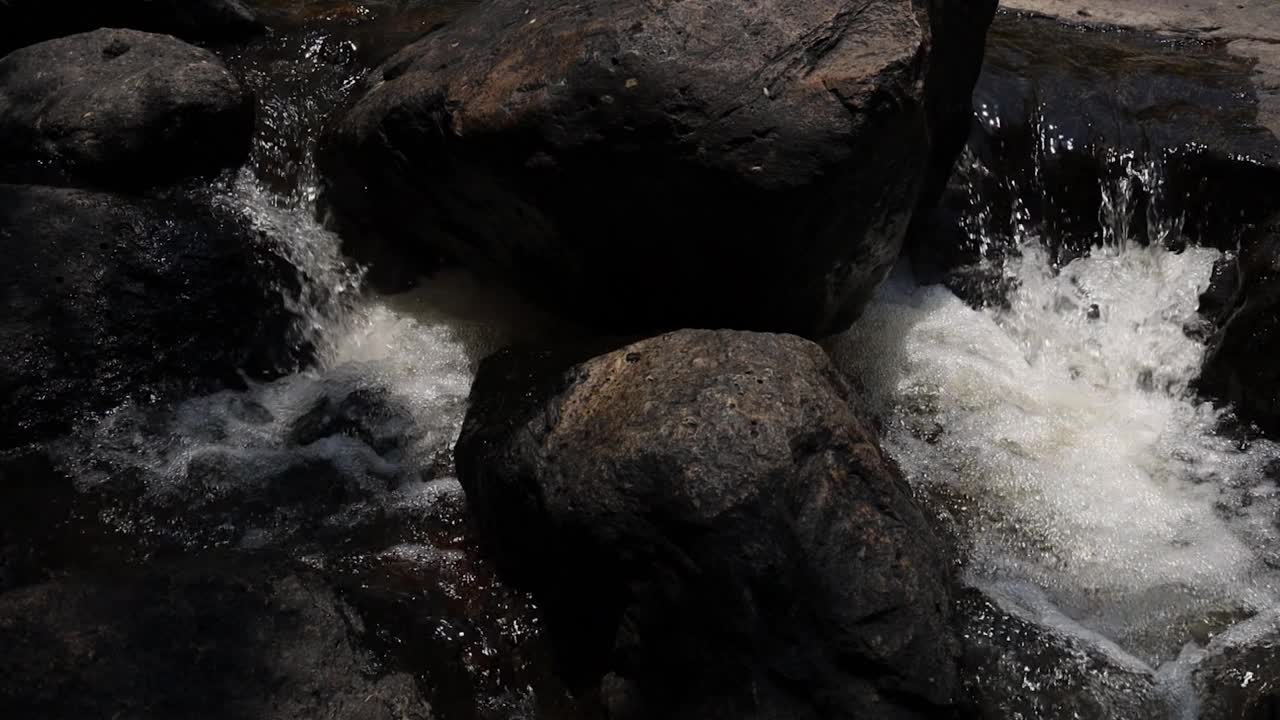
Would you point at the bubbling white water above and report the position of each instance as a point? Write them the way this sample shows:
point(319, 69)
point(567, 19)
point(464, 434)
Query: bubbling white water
point(1062, 431)
point(402, 364)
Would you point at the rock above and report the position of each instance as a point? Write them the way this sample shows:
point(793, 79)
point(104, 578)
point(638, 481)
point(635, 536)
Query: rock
point(1240, 366)
point(35, 500)
point(710, 529)
point(24, 22)
point(119, 109)
point(1015, 669)
point(187, 643)
point(1249, 30)
point(369, 414)
point(638, 166)
point(108, 298)
point(1237, 676)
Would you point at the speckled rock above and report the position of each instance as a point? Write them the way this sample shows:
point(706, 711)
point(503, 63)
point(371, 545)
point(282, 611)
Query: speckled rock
point(119, 109)
point(711, 529)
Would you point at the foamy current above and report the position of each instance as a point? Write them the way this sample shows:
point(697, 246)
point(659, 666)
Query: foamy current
point(404, 364)
point(1089, 484)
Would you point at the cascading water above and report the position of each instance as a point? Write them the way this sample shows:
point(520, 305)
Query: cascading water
point(1092, 490)
point(344, 466)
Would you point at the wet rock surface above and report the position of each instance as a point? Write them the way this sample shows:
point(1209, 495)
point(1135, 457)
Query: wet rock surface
point(1249, 29)
point(1017, 669)
point(1239, 674)
point(737, 151)
point(110, 298)
point(1244, 305)
point(183, 642)
point(304, 69)
point(157, 508)
point(711, 530)
point(25, 22)
point(119, 109)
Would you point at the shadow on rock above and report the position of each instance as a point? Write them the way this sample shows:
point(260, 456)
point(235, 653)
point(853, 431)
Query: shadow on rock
point(119, 109)
point(112, 298)
point(23, 22)
point(711, 530)
point(206, 640)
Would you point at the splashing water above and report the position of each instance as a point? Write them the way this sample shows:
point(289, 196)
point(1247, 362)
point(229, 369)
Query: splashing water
point(372, 421)
point(1090, 485)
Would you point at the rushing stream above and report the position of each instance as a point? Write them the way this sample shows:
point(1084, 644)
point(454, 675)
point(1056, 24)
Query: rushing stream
point(1090, 490)
point(346, 466)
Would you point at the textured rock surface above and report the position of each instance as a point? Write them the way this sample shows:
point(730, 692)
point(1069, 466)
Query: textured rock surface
point(1241, 367)
point(1015, 669)
point(711, 529)
point(215, 642)
point(1238, 677)
point(643, 165)
point(118, 109)
point(108, 298)
point(23, 22)
point(1248, 28)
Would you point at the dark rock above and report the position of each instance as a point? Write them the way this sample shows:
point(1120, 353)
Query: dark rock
point(1249, 30)
point(1240, 367)
point(711, 530)
point(1016, 668)
point(1238, 674)
point(638, 166)
point(442, 612)
point(108, 298)
point(119, 109)
point(24, 22)
point(371, 415)
point(192, 643)
point(35, 499)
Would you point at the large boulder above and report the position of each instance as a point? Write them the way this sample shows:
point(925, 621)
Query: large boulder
point(646, 165)
point(23, 22)
point(108, 298)
point(711, 530)
point(119, 109)
point(1244, 303)
point(193, 642)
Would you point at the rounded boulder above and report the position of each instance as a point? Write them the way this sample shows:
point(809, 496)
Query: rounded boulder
point(711, 529)
point(119, 109)
point(641, 166)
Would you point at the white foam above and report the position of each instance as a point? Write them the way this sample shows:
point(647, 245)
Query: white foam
point(1064, 427)
point(416, 353)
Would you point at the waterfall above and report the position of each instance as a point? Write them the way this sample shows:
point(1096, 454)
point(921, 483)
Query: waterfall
point(1091, 489)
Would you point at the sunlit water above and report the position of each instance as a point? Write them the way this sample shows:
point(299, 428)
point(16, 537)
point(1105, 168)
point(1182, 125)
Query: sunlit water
point(346, 465)
point(402, 364)
point(1090, 487)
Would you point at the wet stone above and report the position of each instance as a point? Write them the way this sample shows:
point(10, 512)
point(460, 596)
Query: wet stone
point(1016, 669)
point(187, 641)
point(1238, 677)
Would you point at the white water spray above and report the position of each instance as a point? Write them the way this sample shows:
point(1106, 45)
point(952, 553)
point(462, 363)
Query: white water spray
point(1061, 431)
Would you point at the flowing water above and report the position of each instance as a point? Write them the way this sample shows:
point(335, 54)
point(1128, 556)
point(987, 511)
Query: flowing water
point(346, 466)
point(1091, 490)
